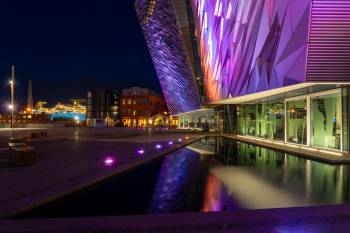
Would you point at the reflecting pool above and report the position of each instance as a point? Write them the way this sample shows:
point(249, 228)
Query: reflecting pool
point(212, 174)
point(256, 177)
point(226, 175)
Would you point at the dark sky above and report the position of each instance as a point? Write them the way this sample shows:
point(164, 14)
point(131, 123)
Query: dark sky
point(69, 46)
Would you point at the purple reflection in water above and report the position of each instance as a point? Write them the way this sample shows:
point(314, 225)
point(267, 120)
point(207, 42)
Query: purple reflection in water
point(158, 146)
point(171, 142)
point(177, 174)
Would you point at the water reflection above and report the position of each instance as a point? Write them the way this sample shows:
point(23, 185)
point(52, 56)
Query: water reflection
point(223, 174)
point(216, 196)
point(175, 182)
point(257, 177)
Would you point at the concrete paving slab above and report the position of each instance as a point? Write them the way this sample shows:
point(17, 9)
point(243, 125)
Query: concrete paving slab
point(67, 164)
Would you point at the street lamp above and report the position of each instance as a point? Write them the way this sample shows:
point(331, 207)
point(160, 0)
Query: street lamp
point(77, 120)
point(12, 81)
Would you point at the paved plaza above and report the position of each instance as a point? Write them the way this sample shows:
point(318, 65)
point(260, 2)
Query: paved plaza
point(70, 159)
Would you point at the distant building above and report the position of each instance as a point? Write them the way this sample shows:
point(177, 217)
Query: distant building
point(25, 118)
point(40, 106)
point(141, 107)
point(79, 101)
point(102, 108)
point(71, 111)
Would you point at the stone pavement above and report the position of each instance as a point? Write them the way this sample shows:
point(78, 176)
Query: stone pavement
point(319, 219)
point(73, 161)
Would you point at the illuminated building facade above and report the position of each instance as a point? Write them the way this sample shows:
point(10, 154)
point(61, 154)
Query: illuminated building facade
point(170, 46)
point(142, 107)
point(24, 118)
point(252, 46)
point(276, 69)
point(102, 108)
point(61, 111)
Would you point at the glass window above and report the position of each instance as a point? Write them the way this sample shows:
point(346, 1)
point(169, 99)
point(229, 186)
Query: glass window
point(241, 127)
point(275, 121)
point(326, 121)
point(123, 101)
point(261, 120)
point(250, 117)
point(129, 101)
point(296, 121)
point(345, 118)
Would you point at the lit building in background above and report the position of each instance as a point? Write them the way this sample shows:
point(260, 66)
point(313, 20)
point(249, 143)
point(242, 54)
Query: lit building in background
point(102, 108)
point(60, 111)
point(142, 107)
point(74, 110)
point(23, 118)
point(70, 114)
point(275, 69)
point(40, 106)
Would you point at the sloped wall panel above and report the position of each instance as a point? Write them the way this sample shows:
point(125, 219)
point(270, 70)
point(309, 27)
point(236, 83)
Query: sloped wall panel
point(248, 46)
point(168, 52)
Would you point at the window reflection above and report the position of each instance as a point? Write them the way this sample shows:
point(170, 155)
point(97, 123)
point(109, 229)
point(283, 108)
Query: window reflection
point(326, 121)
point(262, 120)
point(296, 121)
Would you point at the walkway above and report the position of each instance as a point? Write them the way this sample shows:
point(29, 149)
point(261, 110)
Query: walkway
point(66, 164)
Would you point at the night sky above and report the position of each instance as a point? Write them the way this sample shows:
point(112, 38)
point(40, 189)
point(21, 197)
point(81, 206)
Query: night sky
point(69, 46)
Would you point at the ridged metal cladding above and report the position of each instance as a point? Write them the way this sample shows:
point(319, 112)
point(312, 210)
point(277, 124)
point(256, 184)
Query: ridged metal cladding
point(329, 41)
point(166, 46)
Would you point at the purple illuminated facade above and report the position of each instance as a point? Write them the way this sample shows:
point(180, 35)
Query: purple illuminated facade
point(272, 69)
point(252, 46)
point(170, 58)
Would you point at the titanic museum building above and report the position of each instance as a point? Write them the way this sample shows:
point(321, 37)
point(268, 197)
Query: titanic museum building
point(277, 70)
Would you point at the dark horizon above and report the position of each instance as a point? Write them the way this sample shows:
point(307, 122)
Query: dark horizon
point(69, 47)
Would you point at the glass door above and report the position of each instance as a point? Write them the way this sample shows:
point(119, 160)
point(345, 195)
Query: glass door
point(296, 120)
point(326, 122)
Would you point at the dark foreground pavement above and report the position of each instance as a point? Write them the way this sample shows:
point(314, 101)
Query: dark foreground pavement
point(320, 219)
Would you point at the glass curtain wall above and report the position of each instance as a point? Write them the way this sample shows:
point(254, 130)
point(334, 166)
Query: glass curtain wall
point(241, 127)
point(297, 121)
point(250, 119)
point(275, 121)
point(326, 111)
point(323, 116)
point(262, 120)
point(230, 118)
point(346, 118)
point(198, 120)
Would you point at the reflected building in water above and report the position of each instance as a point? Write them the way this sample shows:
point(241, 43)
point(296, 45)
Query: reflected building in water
point(262, 178)
point(216, 174)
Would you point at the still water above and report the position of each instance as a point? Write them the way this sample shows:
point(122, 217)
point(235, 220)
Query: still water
point(225, 175)
point(212, 174)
